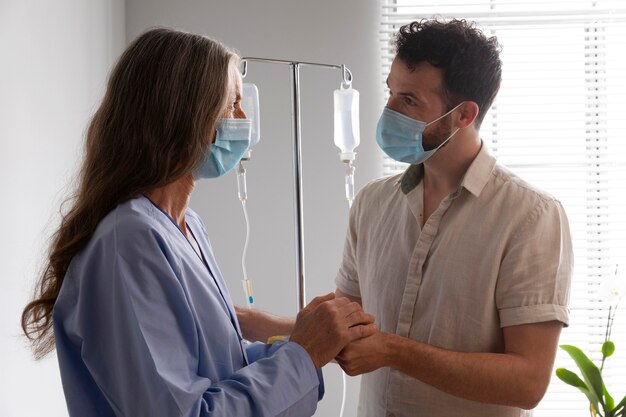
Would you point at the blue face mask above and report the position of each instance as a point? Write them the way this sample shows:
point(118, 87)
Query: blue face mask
point(231, 143)
point(400, 137)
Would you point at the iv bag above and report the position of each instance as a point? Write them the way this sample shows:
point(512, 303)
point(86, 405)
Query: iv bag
point(347, 131)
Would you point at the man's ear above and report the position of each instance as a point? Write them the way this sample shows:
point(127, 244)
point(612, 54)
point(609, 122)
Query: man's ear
point(468, 112)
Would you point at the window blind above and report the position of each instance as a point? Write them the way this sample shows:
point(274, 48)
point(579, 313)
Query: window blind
point(559, 122)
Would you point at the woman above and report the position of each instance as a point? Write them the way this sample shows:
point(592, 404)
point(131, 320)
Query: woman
point(142, 320)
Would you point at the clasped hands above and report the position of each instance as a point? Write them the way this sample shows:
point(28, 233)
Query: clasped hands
point(336, 328)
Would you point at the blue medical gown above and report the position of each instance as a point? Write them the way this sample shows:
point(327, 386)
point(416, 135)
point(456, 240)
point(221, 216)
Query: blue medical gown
point(145, 327)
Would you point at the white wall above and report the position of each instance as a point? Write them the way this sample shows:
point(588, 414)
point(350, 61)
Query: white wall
point(328, 31)
point(54, 59)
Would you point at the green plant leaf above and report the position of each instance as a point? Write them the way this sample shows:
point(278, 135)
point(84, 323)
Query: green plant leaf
point(608, 400)
point(570, 378)
point(621, 404)
point(608, 348)
point(591, 373)
point(574, 380)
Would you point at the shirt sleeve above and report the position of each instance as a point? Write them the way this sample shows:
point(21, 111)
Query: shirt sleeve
point(140, 344)
point(347, 279)
point(535, 273)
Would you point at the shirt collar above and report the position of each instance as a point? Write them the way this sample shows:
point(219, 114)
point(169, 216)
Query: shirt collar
point(411, 177)
point(474, 180)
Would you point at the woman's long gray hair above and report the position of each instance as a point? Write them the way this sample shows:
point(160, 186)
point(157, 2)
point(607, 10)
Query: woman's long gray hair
point(156, 122)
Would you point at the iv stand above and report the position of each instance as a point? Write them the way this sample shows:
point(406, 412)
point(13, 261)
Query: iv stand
point(297, 154)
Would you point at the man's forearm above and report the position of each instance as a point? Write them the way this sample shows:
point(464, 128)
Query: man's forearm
point(258, 325)
point(505, 378)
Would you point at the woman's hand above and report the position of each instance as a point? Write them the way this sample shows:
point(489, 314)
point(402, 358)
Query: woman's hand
point(259, 326)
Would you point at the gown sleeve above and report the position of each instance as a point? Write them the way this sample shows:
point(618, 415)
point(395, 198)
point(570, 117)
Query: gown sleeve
point(140, 343)
point(259, 350)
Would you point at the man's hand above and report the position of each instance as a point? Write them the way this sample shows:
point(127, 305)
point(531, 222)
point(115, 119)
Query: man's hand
point(364, 355)
point(325, 326)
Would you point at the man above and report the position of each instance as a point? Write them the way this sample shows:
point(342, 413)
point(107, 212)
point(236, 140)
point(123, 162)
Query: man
point(465, 266)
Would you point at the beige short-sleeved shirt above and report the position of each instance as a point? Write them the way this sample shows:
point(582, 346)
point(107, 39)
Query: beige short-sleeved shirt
point(496, 253)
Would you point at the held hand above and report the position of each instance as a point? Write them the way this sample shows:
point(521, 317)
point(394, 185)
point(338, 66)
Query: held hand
point(325, 326)
point(258, 325)
point(365, 355)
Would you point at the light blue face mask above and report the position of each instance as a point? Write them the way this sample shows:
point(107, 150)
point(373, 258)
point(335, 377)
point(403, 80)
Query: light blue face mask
point(400, 137)
point(231, 143)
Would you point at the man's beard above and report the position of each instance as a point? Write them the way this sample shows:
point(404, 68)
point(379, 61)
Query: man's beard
point(435, 138)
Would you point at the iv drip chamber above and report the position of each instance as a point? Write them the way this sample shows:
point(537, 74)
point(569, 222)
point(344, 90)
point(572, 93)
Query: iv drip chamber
point(347, 131)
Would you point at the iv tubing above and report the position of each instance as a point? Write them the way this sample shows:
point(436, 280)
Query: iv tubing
point(245, 246)
point(343, 396)
point(243, 197)
point(247, 285)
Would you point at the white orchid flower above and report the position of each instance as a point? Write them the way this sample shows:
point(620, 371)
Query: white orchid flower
point(613, 288)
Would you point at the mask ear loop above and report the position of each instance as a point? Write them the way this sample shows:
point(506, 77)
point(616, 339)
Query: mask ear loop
point(444, 115)
point(449, 137)
point(441, 117)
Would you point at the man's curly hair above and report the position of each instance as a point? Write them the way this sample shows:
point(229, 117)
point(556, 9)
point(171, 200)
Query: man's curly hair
point(470, 61)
